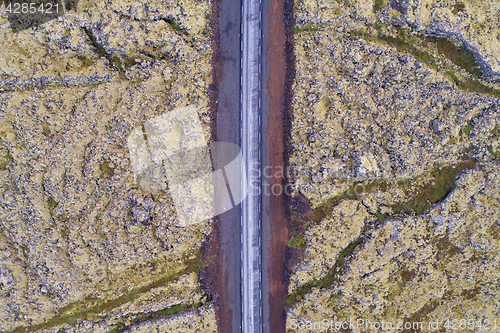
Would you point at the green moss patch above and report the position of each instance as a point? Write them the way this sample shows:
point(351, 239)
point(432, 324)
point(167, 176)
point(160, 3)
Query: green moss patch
point(441, 182)
point(85, 62)
point(307, 27)
point(352, 193)
point(467, 129)
point(382, 217)
point(297, 242)
point(52, 203)
point(176, 26)
point(46, 129)
point(496, 154)
point(459, 55)
point(446, 249)
point(378, 5)
point(101, 52)
point(494, 231)
point(105, 169)
point(458, 7)
point(495, 131)
point(5, 159)
point(129, 62)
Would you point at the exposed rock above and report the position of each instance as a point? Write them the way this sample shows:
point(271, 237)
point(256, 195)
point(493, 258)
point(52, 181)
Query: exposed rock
point(366, 165)
point(140, 214)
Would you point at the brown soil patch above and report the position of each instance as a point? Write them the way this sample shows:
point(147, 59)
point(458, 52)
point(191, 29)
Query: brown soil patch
point(209, 258)
point(301, 215)
point(209, 273)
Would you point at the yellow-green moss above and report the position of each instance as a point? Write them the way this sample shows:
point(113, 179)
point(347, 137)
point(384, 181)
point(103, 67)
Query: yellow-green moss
point(441, 182)
point(105, 169)
point(297, 242)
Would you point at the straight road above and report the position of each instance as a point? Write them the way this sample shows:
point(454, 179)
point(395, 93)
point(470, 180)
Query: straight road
point(245, 277)
point(251, 208)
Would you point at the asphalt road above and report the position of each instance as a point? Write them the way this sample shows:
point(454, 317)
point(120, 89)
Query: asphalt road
point(251, 215)
point(228, 130)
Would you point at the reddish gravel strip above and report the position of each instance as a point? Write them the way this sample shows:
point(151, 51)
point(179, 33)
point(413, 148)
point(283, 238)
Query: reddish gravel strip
point(280, 78)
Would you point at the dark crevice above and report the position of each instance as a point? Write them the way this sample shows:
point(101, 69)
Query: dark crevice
point(332, 274)
point(101, 52)
point(144, 317)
